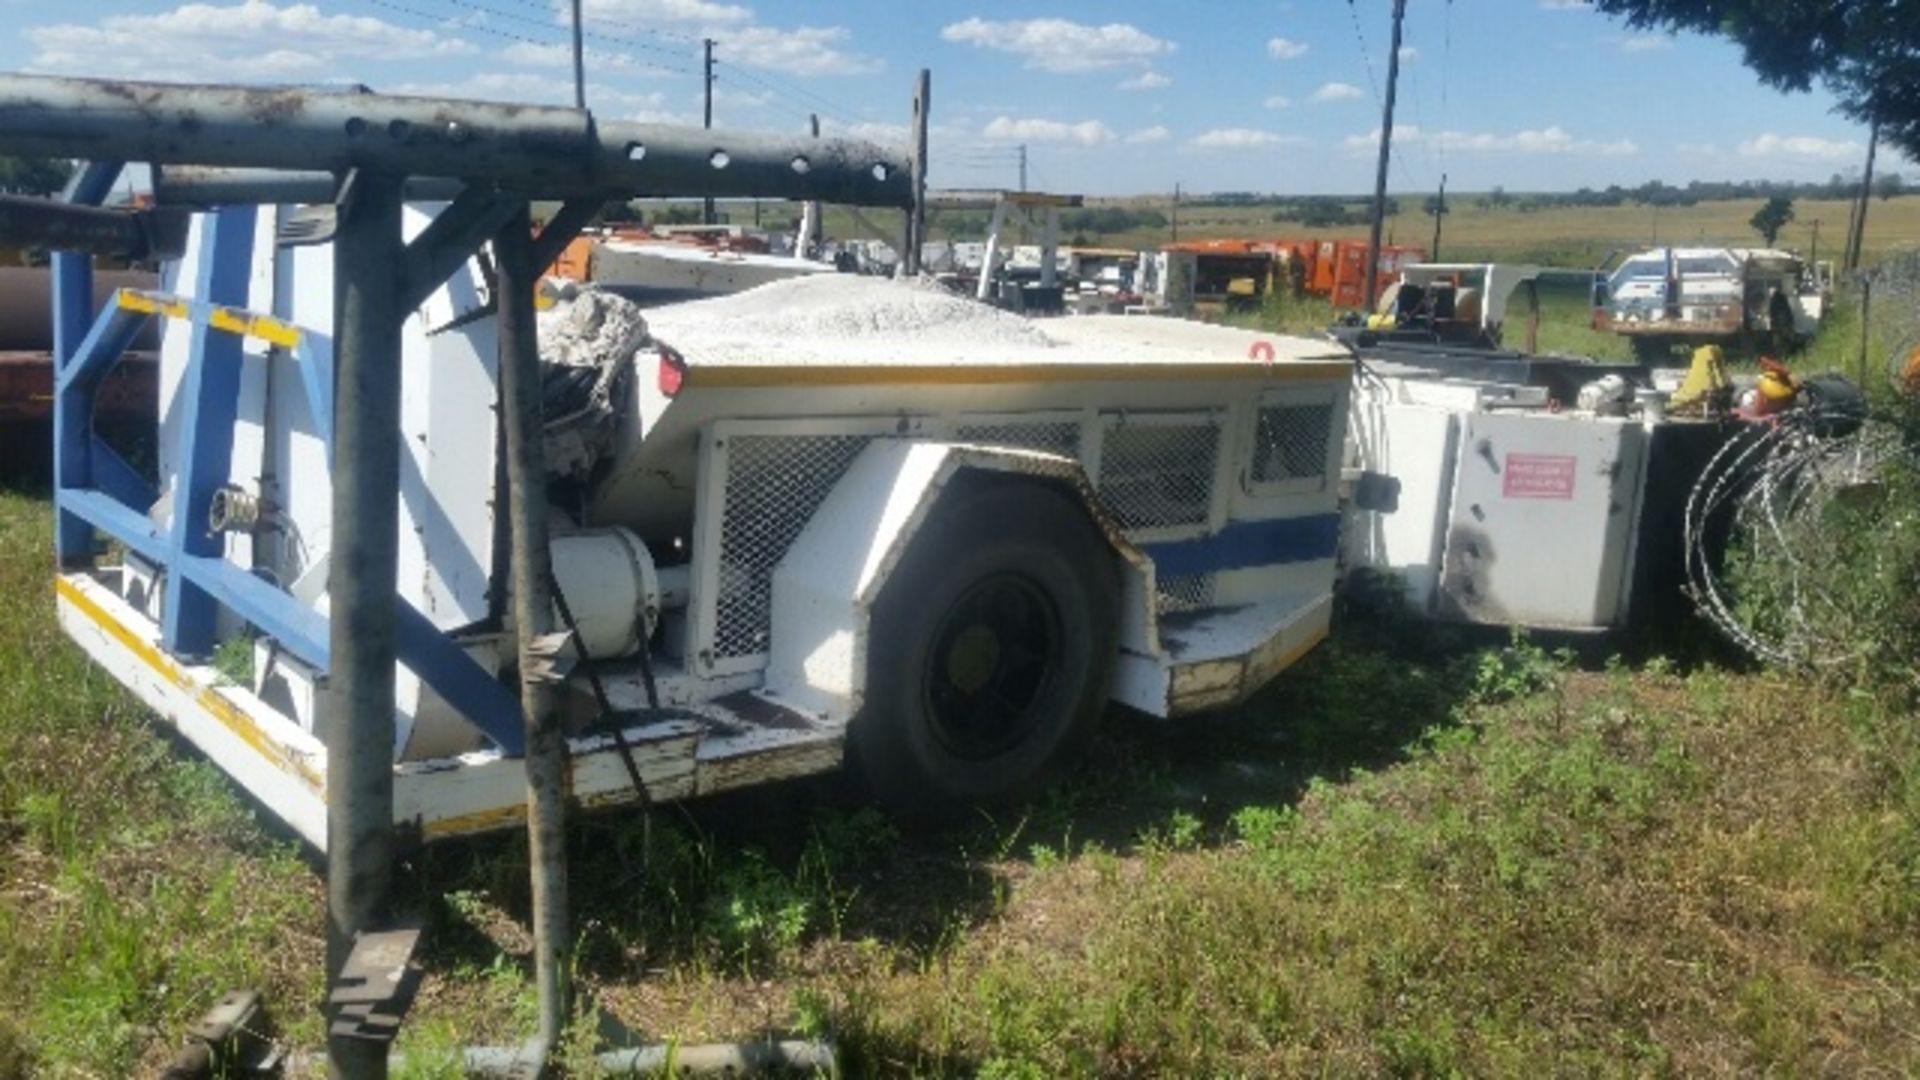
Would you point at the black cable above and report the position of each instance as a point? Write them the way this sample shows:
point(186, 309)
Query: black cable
point(608, 716)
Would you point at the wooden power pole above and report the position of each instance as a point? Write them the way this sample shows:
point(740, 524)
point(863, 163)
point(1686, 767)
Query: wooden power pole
point(706, 207)
point(1386, 153)
point(1857, 237)
point(917, 214)
point(1439, 215)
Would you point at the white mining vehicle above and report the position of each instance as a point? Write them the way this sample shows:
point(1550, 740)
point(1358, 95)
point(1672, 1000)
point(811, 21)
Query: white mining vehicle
point(830, 515)
point(1699, 296)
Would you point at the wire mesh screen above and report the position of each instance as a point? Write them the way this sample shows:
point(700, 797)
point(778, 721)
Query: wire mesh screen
point(1183, 592)
point(1052, 437)
point(774, 485)
point(1290, 442)
point(1159, 475)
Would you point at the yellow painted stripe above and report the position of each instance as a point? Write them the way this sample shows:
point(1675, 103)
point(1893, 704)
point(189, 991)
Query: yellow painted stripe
point(231, 320)
point(477, 822)
point(233, 719)
point(746, 376)
point(153, 304)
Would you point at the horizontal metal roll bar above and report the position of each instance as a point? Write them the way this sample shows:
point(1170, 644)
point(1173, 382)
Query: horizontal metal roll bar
point(532, 150)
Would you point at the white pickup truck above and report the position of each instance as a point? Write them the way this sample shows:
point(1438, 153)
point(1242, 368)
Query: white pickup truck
point(830, 516)
point(1694, 296)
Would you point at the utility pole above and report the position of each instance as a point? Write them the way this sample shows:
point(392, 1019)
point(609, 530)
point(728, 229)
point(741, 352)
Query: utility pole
point(917, 214)
point(1814, 255)
point(1859, 236)
point(1386, 152)
point(1439, 215)
point(809, 211)
point(706, 207)
point(1023, 166)
point(1173, 218)
point(579, 61)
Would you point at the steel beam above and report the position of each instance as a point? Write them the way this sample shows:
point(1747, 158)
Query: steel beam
point(531, 573)
point(135, 236)
point(532, 150)
point(205, 187)
point(366, 502)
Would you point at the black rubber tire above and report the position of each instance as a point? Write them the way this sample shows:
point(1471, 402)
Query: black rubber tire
point(990, 546)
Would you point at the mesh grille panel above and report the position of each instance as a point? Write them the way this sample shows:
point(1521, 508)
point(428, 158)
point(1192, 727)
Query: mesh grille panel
point(1052, 437)
point(1159, 475)
point(1183, 592)
point(1290, 442)
point(774, 484)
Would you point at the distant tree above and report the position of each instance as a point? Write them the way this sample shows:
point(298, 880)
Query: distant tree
point(1435, 206)
point(1866, 51)
point(1890, 185)
point(675, 214)
point(1772, 217)
point(33, 176)
point(1497, 199)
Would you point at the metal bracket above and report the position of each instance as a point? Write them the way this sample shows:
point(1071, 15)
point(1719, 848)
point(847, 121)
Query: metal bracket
point(376, 985)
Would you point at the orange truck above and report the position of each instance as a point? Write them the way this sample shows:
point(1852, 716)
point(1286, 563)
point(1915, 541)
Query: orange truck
point(1224, 272)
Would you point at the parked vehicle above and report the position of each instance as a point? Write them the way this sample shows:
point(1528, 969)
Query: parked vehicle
point(1747, 297)
point(831, 516)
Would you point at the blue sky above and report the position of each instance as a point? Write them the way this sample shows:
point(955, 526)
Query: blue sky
point(1115, 98)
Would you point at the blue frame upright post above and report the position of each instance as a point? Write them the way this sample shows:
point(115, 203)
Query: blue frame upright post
point(72, 319)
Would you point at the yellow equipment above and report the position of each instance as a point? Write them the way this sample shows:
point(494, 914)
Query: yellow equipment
point(1706, 378)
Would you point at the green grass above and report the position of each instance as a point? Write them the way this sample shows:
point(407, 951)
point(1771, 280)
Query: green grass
point(1574, 237)
point(1422, 852)
point(135, 888)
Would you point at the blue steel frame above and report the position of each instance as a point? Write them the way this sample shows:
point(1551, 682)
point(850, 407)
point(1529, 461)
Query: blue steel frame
point(95, 489)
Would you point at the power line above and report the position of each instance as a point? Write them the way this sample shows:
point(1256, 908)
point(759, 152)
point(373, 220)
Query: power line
point(818, 102)
point(548, 24)
point(1360, 35)
point(437, 21)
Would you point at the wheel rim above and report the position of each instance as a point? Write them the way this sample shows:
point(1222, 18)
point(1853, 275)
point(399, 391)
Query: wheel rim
point(996, 653)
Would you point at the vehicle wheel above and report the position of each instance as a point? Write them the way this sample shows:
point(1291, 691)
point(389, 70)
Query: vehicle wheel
point(990, 651)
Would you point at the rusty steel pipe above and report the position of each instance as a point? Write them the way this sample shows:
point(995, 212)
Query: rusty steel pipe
point(205, 186)
point(537, 151)
point(531, 570)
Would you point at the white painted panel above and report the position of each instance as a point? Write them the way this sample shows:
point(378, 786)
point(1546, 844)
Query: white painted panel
point(1541, 526)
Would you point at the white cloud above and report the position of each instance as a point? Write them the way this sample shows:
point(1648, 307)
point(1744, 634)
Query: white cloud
point(1408, 54)
point(1566, 5)
point(1635, 43)
point(1147, 80)
point(529, 88)
point(700, 13)
point(1800, 146)
point(1277, 101)
point(796, 50)
point(1059, 45)
point(1241, 139)
point(1549, 140)
point(1086, 133)
point(1337, 91)
point(1283, 49)
point(1154, 134)
point(210, 41)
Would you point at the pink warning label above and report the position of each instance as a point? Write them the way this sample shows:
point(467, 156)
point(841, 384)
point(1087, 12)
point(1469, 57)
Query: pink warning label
point(1538, 476)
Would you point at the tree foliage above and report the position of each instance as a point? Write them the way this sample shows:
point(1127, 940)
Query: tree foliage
point(33, 176)
point(1866, 51)
point(1772, 216)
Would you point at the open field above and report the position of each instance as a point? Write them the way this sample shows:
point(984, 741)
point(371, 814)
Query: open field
point(1574, 237)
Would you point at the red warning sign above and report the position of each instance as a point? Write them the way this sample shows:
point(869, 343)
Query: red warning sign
point(1538, 476)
